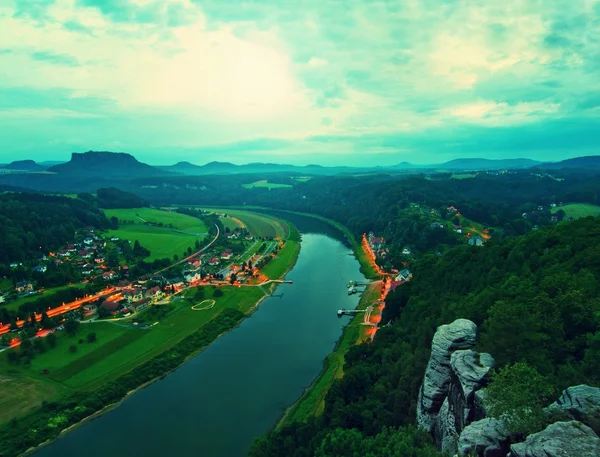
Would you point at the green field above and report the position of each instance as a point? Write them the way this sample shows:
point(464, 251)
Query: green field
point(229, 223)
point(312, 402)
point(257, 224)
point(277, 267)
point(162, 242)
point(266, 184)
point(19, 395)
point(577, 210)
point(181, 222)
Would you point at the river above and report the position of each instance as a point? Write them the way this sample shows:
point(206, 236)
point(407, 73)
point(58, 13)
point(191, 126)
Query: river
point(217, 403)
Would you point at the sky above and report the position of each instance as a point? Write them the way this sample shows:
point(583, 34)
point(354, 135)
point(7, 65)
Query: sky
point(351, 82)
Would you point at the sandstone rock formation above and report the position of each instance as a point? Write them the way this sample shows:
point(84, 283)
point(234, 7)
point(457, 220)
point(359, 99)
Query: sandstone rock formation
point(561, 439)
point(460, 334)
point(486, 437)
point(468, 370)
point(580, 403)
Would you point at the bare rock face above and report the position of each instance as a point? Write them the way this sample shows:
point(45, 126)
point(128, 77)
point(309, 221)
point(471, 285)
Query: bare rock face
point(460, 334)
point(561, 439)
point(468, 370)
point(580, 403)
point(486, 438)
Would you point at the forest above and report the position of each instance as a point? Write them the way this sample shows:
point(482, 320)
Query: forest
point(33, 224)
point(535, 302)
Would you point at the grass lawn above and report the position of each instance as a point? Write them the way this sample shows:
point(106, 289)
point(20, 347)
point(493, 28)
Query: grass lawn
point(278, 266)
point(18, 395)
point(265, 183)
point(181, 222)
point(161, 242)
point(577, 210)
point(229, 223)
point(313, 400)
point(14, 304)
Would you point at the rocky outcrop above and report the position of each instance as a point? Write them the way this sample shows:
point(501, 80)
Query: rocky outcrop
point(580, 403)
point(486, 437)
point(561, 439)
point(460, 334)
point(468, 370)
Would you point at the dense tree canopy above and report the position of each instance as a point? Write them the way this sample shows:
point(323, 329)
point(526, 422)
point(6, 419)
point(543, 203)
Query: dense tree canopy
point(33, 224)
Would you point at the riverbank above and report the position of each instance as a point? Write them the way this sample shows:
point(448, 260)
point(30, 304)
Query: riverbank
point(312, 401)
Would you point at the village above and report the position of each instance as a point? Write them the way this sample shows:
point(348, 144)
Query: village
point(99, 262)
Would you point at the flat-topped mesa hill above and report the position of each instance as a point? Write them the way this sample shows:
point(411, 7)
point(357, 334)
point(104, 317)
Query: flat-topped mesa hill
point(104, 163)
point(23, 165)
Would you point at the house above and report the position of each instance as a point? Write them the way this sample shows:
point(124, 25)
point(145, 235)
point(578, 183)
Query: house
point(195, 263)
point(475, 241)
point(406, 251)
point(99, 259)
point(89, 309)
point(404, 275)
point(155, 293)
point(436, 225)
point(213, 261)
point(133, 295)
point(63, 253)
point(141, 305)
point(113, 307)
point(71, 248)
point(88, 241)
point(192, 277)
point(23, 287)
point(40, 268)
point(226, 255)
point(451, 209)
point(108, 275)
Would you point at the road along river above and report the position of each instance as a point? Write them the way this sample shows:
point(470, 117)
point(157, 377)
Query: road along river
point(237, 389)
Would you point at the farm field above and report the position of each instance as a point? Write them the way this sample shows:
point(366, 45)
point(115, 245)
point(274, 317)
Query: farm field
point(229, 223)
point(266, 184)
point(181, 222)
point(18, 395)
point(162, 242)
point(577, 210)
point(257, 224)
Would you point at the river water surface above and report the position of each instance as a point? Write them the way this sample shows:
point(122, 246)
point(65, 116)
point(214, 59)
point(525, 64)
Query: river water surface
point(216, 404)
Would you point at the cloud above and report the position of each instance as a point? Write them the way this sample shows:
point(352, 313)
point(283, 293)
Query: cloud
point(189, 75)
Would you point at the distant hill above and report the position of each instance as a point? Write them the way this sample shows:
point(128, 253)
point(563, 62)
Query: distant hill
point(485, 164)
point(224, 168)
point(587, 162)
point(23, 165)
point(106, 164)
